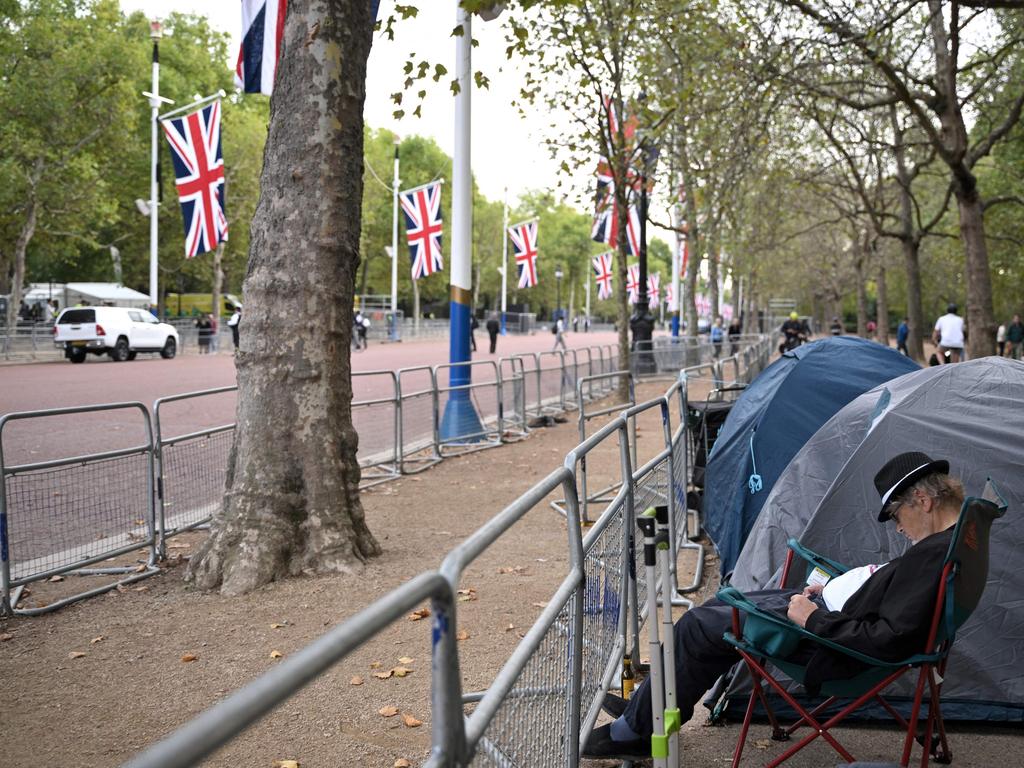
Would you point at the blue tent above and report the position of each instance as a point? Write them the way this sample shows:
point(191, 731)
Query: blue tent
point(774, 417)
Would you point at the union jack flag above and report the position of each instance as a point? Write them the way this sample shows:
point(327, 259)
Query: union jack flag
point(606, 227)
point(653, 288)
point(524, 244)
point(633, 283)
point(199, 176)
point(603, 274)
point(422, 209)
point(670, 297)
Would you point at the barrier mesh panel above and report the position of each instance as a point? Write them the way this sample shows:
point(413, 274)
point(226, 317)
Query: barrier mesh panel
point(605, 570)
point(194, 476)
point(417, 422)
point(58, 517)
point(375, 424)
point(651, 490)
point(531, 725)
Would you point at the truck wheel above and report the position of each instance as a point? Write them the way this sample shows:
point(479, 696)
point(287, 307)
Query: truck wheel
point(132, 355)
point(76, 355)
point(170, 349)
point(120, 351)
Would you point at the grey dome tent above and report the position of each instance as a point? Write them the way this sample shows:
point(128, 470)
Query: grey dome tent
point(970, 413)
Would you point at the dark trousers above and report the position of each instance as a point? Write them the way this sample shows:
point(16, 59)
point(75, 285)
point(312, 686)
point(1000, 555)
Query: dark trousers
point(702, 656)
point(494, 340)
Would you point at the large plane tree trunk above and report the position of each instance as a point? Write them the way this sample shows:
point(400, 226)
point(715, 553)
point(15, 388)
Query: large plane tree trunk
point(292, 502)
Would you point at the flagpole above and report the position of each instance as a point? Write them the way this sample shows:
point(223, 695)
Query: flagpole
point(586, 322)
point(154, 192)
point(460, 420)
point(193, 105)
point(394, 247)
point(504, 262)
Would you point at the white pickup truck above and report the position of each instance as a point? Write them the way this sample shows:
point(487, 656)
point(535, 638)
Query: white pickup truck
point(120, 332)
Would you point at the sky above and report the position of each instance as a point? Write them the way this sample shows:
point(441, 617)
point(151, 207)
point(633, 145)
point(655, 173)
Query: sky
point(506, 150)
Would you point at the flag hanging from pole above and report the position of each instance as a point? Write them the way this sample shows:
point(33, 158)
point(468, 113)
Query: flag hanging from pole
point(670, 297)
point(684, 256)
point(262, 31)
point(633, 283)
point(603, 274)
point(422, 209)
point(199, 176)
point(524, 245)
point(653, 289)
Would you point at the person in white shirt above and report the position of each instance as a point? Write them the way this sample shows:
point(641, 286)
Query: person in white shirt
point(949, 334)
point(233, 322)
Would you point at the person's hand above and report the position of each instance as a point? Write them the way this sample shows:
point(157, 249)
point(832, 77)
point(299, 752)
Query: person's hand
point(813, 589)
point(800, 609)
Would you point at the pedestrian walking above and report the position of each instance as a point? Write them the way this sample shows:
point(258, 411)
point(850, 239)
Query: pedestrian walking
point(233, 322)
point(902, 332)
point(735, 331)
point(473, 325)
point(560, 335)
point(717, 337)
point(1015, 337)
point(1001, 340)
point(949, 334)
point(493, 326)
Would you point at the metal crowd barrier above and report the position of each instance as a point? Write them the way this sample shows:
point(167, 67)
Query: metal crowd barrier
point(545, 699)
point(103, 509)
point(417, 449)
point(485, 397)
point(596, 497)
point(513, 398)
point(378, 463)
point(530, 369)
point(218, 725)
point(536, 683)
point(190, 470)
point(551, 382)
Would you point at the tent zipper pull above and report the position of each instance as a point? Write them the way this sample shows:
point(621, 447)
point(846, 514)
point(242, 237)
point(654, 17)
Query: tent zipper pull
point(754, 482)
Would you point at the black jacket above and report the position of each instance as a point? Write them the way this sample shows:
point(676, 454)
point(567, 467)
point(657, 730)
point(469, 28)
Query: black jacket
point(888, 617)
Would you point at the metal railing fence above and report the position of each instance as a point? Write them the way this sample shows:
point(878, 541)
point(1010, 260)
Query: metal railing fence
point(190, 469)
point(544, 700)
point(380, 418)
point(63, 515)
point(484, 397)
point(417, 449)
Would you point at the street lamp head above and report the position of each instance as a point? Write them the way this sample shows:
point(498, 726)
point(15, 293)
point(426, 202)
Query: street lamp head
point(558, 273)
point(155, 29)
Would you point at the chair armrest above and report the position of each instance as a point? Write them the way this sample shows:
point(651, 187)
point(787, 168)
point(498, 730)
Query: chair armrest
point(740, 602)
point(830, 566)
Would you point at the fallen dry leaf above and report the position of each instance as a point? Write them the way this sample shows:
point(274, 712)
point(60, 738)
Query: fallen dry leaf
point(462, 635)
point(357, 680)
point(519, 570)
point(400, 671)
point(141, 568)
point(401, 763)
point(276, 654)
point(375, 665)
point(539, 605)
point(762, 743)
point(98, 639)
point(143, 588)
point(388, 711)
point(465, 595)
point(178, 545)
point(410, 721)
point(56, 578)
point(510, 627)
point(286, 764)
point(189, 657)
point(5, 637)
point(382, 675)
point(405, 660)
point(76, 655)
point(422, 613)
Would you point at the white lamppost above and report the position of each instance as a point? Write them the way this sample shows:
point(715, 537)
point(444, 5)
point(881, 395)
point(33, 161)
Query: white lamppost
point(155, 100)
point(394, 246)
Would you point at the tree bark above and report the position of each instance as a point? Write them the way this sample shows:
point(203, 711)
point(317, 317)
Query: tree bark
point(28, 231)
point(980, 314)
point(292, 501)
point(862, 295)
point(713, 274)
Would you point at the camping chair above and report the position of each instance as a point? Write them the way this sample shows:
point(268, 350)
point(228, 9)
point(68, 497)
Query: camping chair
point(767, 636)
point(707, 418)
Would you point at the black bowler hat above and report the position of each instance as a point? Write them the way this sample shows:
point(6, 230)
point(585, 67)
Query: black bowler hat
point(901, 472)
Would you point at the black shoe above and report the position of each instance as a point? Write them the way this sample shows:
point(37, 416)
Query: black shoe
point(614, 705)
point(600, 746)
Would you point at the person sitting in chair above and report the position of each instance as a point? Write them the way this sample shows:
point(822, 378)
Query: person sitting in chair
point(881, 611)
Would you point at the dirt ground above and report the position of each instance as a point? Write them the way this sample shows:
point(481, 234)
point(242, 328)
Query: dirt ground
point(94, 683)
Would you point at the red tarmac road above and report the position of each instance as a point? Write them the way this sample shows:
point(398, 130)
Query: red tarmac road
point(47, 385)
